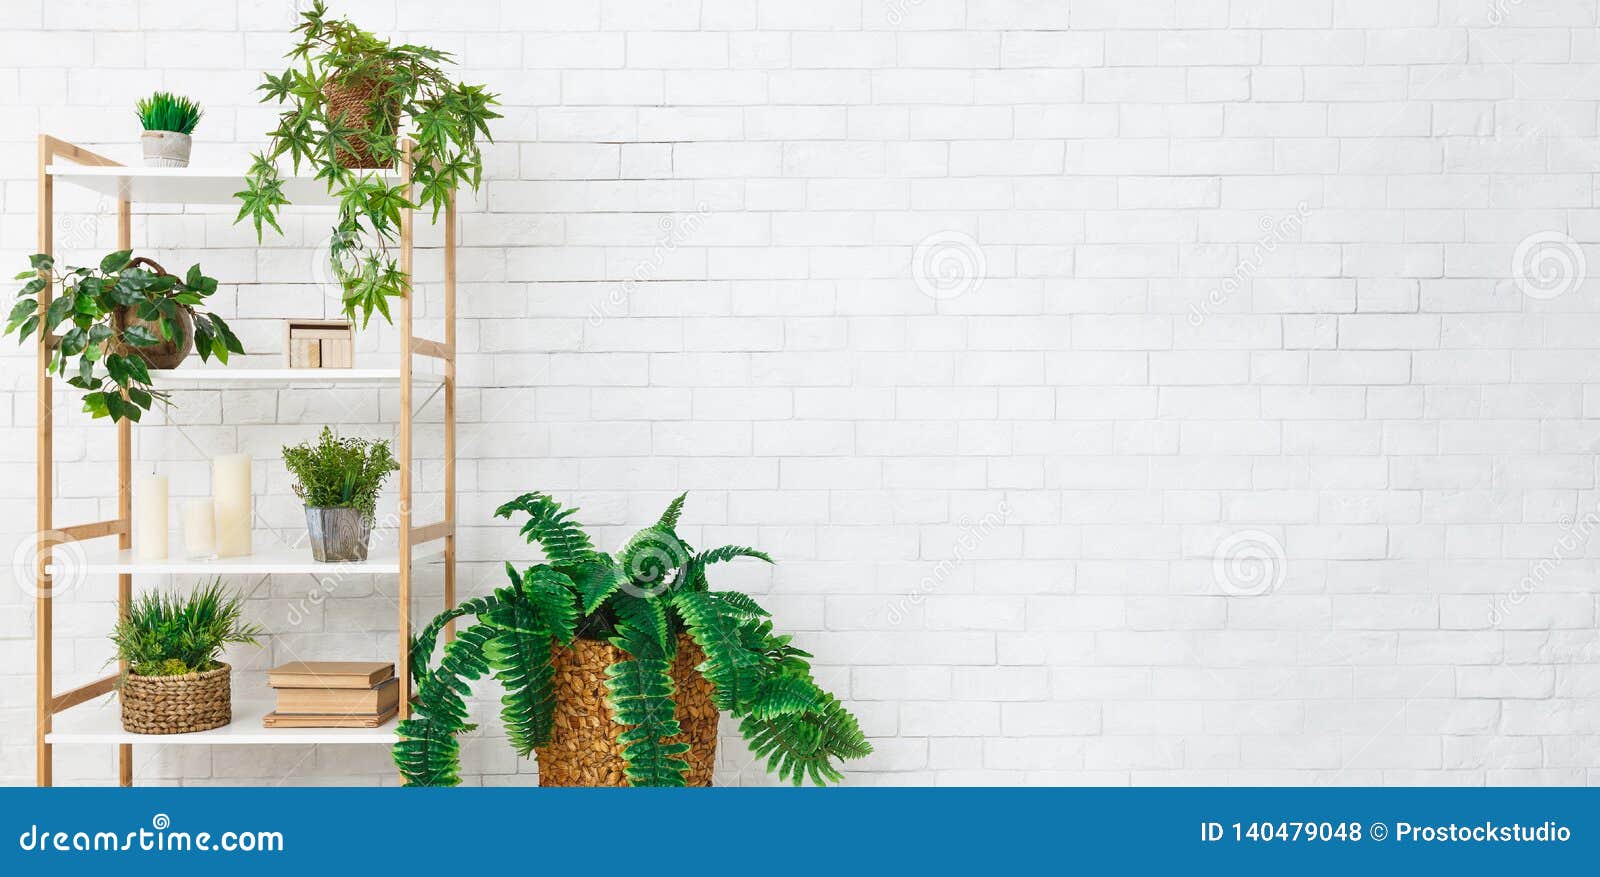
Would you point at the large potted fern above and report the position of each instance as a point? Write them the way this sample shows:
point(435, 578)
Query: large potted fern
point(615, 668)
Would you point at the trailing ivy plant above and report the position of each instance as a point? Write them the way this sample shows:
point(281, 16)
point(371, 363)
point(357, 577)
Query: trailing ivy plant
point(638, 601)
point(397, 88)
point(99, 349)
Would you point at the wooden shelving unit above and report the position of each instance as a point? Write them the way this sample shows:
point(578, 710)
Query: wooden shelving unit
point(393, 553)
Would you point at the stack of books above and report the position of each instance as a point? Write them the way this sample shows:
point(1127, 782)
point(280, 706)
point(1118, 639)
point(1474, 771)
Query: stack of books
point(333, 694)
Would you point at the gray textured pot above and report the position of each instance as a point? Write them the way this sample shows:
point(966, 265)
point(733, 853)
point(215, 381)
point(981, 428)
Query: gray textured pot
point(165, 148)
point(338, 535)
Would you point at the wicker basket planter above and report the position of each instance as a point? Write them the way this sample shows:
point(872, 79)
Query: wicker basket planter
point(177, 704)
point(583, 748)
point(166, 354)
point(350, 104)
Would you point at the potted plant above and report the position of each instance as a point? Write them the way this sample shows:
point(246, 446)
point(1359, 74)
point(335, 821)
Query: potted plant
point(338, 479)
point(123, 318)
point(168, 121)
point(349, 96)
point(615, 667)
point(174, 683)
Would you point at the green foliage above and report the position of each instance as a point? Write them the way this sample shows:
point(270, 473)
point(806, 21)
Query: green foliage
point(97, 353)
point(165, 111)
point(405, 84)
point(170, 635)
point(638, 602)
point(340, 472)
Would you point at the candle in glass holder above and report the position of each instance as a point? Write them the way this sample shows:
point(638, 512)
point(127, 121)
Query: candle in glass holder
point(151, 517)
point(199, 529)
point(230, 494)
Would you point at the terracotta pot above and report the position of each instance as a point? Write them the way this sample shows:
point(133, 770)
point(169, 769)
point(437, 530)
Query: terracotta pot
point(584, 750)
point(351, 103)
point(338, 535)
point(177, 704)
point(165, 148)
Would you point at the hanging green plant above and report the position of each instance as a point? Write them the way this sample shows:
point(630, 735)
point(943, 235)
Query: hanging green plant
point(349, 99)
point(123, 318)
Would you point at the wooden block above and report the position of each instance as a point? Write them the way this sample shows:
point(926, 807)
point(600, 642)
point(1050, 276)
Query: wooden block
point(337, 353)
point(304, 353)
point(319, 343)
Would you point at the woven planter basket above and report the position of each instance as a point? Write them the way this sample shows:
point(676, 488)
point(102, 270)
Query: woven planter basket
point(350, 103)
point(583, 748)
point(177, 704)
point(162, 354)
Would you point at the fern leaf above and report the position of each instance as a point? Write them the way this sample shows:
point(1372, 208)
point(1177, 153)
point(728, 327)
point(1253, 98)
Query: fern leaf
point(423, 644)
point(521, 663)
point(550, 526)
point(802, 746)
point(427, 755)
point(669, 518)
point(640, 695)
point(551, 594)
point(596, 580)
point(741, 604)
point(651, 557)
point(734, 668)
point(642, 627)
point(729, 552)
point(785, 695)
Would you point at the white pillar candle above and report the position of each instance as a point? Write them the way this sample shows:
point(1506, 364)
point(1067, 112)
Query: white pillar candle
point(150, 517)
point(199, 530)
point(230, 493)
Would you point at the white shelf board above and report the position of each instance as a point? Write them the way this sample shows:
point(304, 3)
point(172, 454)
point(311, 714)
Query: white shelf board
point(100, 721)
point(286, 377)
point(186, 185)
point(382, 559)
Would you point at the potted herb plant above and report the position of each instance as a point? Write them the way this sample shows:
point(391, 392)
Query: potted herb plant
point(168, 121)
point(174, 682)
point(349, 96)
point(122, 319)
point(338, 479)
point(615, 668)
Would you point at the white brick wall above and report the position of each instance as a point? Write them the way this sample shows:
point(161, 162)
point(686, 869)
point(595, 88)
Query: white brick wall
point(996, 321)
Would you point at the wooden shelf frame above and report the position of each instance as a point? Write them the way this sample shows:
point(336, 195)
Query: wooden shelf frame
point(410, 534)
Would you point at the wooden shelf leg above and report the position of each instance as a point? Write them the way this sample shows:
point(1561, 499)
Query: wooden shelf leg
point(407, 230)
point(124, 498)
point(45, 489)
point(450, 410)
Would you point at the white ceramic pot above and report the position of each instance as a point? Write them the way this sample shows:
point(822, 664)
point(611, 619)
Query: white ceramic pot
point(165, 149)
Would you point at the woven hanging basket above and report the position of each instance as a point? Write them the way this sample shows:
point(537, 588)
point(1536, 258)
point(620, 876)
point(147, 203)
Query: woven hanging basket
point(163, 354)
point(177, 704)
point(351, 103)
point(583, 748)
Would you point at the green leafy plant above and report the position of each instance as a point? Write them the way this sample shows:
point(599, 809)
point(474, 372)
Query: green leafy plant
point(340, 472)
point(170, 635)
point(638, 601)
point(164, 111)
point(402, 88)
point(100, 348)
